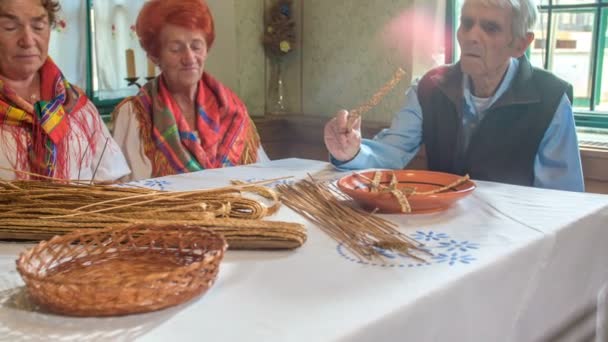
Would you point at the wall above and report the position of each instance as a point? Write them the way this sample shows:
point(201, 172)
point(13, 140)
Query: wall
point(338, 61)
point(344, 61)
point(224, 52)
point(237, 58)
point(250, 57)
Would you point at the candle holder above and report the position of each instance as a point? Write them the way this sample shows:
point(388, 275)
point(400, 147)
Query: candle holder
point(132, 81)
point(149, 78)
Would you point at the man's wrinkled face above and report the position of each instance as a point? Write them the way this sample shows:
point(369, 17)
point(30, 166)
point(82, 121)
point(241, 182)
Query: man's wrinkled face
point(486, 39)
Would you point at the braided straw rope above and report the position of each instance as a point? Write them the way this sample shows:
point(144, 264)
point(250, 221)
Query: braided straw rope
point(32, 210)
point(402, 194)
point(356, 113)
point(238, 232)
point(119, 271)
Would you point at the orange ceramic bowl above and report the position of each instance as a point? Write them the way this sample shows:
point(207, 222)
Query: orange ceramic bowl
point(359, 189)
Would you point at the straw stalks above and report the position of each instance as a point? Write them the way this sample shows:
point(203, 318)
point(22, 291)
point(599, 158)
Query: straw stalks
point(364, 234)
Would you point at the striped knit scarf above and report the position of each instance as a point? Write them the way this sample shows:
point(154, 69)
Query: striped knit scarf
point(47, 122)
point(224, 134)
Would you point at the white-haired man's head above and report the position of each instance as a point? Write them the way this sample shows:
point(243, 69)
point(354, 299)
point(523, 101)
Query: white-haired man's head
point(525, 13)
point(491, 33)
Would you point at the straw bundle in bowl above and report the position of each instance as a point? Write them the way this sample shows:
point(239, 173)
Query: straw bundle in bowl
point(119, 271)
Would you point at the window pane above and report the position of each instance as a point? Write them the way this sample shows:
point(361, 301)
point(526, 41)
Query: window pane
point(570, 2)
point(457, 13)
point(602, 84)
point(538, 46)
point(112, 22)
point(571, 55)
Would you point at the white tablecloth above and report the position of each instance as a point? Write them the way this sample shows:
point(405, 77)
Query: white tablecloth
point(510, 264)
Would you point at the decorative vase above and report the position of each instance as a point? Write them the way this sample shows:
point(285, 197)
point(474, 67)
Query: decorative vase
point(276, 90)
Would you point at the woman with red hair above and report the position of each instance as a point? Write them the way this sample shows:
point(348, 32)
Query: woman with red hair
point(48, 127)
point(184, 120)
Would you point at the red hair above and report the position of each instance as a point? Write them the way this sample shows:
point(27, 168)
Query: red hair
point(190, 14)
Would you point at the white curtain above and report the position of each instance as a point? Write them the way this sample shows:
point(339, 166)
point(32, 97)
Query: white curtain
point(68, 47)
point(113, 34)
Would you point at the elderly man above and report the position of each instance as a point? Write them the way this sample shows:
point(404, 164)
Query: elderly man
point(491, 115)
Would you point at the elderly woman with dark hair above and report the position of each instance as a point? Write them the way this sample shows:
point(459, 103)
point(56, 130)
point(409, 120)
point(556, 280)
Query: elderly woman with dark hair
point(183, 120)
point(48, 127)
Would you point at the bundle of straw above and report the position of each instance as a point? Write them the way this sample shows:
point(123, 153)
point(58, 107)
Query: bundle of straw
point(33, 210)
point(364, 234)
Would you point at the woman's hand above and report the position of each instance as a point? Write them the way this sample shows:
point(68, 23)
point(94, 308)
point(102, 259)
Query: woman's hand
point(343, 143)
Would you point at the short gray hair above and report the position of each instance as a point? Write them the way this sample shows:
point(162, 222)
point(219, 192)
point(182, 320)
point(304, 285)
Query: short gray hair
point(525, 13)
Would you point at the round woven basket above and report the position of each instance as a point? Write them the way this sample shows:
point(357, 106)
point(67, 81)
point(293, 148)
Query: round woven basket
point(119, 271)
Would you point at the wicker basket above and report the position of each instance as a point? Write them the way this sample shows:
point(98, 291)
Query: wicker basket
point(119, 271)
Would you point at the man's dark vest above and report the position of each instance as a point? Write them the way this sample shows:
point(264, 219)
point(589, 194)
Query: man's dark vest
point(505, 143)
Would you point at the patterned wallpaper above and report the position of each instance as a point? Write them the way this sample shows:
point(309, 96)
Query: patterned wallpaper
point(340, 60)
point(250, 57)
point(344, 60)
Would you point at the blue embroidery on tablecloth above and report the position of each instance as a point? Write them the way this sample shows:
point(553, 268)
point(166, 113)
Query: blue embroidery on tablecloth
point(440, 247)
point(391, 259)
point(429, 236)
point(462, 246)
point(154, 184)
point(273, 184)
point(453, 258)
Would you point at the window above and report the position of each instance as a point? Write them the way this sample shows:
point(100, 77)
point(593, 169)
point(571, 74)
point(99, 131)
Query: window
point(89, 45)
point(570, 41)
point(111, 32)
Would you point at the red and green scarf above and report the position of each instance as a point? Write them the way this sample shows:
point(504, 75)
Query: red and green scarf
point(47, 123)
point(224, 134)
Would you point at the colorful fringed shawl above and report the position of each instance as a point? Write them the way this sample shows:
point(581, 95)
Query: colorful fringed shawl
point(46, 123)
point(224, 134)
